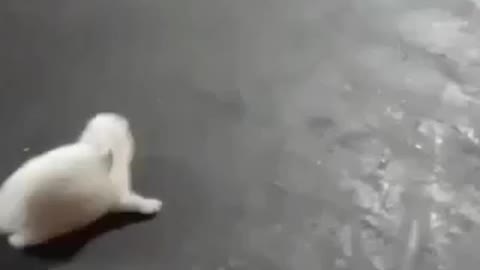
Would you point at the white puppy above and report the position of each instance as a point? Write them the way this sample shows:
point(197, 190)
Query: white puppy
point(73, 185)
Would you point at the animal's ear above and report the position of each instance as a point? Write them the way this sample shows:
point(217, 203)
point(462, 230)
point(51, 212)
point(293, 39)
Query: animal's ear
point(107, 159)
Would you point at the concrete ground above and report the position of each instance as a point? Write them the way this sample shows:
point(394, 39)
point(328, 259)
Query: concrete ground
point(294, 135)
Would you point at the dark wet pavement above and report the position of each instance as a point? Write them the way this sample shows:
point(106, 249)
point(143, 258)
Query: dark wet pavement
point(280, 134)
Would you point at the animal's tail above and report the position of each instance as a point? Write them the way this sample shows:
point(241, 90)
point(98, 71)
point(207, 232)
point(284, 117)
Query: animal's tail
point(110, 134)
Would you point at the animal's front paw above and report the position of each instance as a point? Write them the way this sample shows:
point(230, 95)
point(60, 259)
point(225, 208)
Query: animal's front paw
point(135, 203)
point(150, 206)
point(18, 241)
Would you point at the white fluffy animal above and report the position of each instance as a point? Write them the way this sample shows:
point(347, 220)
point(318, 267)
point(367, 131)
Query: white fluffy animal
point(73, 185)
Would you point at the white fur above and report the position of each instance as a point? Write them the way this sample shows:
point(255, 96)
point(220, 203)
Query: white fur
point(73, 185)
